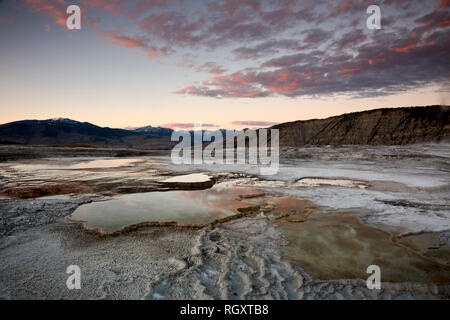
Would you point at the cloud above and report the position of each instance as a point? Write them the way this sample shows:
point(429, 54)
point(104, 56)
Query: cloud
point(133, 41)
point(254, 123)
point(56, 9)
point(351, 39)
point(93, 22)
point(187, 125)
point(114, 7)
point(215, 24)
point(274, 50)
point(211, 67)
point(289, 60)
point(317, 35)
point(354, 62)
point(376, 70)
point(267, 48)
point(5, 20)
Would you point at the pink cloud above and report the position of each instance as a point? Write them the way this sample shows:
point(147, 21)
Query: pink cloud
point(124, 41)
point(444, 4)
point(211, 67)
point(254, 123)
point(93, 22)
point(56, 9)
point(333, 56)
point(6, 20)
point(187, 125)
point(114, 7)
point(133, 41)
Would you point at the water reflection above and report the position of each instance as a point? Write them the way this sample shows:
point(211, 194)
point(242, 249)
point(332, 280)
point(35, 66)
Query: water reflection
point(75, 163)
point(183, 207)
point(333, 247)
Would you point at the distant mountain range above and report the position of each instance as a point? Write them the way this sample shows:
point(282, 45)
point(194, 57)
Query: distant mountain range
point(393, 126)
point(62, 131)
point(69, 132)
point(154, 130)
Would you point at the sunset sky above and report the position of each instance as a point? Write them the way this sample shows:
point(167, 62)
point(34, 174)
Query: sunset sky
point(229, 64)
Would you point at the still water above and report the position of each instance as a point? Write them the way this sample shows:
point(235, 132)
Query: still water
point(183, 207)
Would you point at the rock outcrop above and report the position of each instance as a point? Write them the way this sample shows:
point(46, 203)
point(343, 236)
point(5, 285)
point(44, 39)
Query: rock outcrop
point(394, 126)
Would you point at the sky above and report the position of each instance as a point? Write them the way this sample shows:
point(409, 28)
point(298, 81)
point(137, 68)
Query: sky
point(225, 63)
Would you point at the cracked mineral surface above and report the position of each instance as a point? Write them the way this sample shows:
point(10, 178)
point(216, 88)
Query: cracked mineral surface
point(308, 232)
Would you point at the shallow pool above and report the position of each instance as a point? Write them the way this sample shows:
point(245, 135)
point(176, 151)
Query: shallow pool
point(183, 207)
